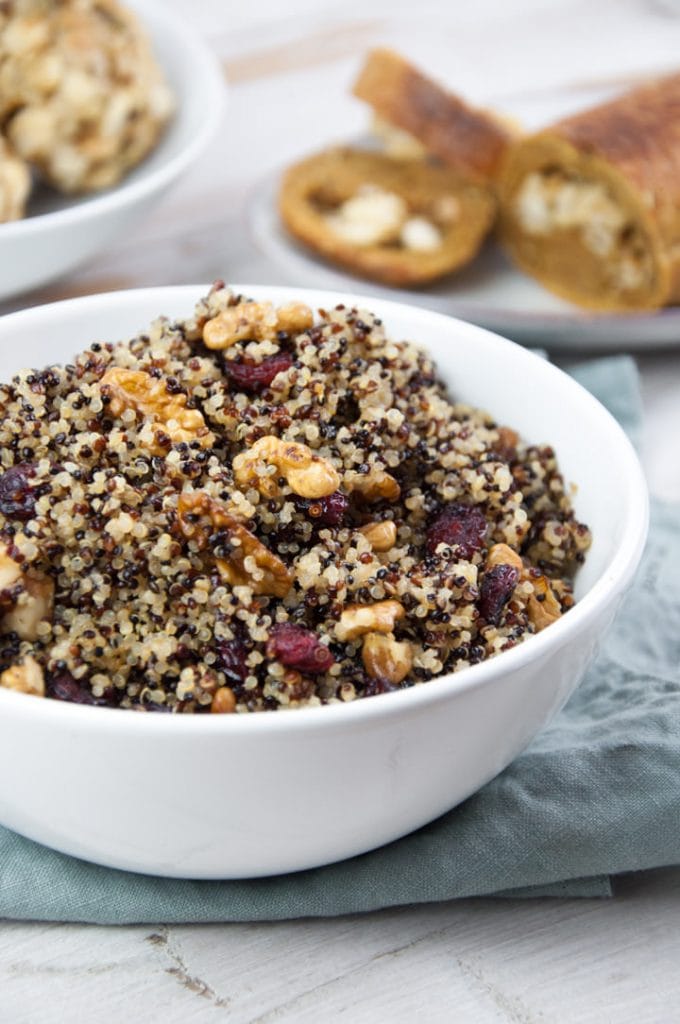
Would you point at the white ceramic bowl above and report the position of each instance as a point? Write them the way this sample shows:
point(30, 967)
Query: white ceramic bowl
point(236, 796)
point(63, 231)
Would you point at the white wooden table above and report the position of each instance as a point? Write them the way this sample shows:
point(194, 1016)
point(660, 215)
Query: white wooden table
point(549, 961)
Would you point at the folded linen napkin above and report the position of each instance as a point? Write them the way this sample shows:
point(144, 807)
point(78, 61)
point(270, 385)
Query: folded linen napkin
point(596, 793)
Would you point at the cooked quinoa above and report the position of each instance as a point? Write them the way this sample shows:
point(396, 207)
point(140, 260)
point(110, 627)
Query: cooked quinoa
point(258, 508)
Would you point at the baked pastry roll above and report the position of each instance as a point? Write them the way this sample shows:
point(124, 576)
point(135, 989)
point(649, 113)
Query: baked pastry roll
point(591, 206)
point(400, 222)
point(412, 108)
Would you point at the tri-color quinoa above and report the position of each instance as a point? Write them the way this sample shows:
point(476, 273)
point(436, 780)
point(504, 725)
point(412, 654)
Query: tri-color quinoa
point(256, 508)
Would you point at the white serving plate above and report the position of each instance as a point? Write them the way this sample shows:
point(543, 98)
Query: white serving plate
point(490, 292)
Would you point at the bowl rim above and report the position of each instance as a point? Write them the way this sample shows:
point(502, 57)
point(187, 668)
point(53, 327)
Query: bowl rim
point(606, 590)
point(206, 80)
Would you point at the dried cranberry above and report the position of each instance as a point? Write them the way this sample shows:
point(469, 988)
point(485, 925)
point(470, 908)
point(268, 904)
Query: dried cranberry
point(64, 686)
point(231, 659)
point(495, 591)
point(328, 511)
point(17, 497)
point(255, 377)
point(462, 527)
point(298, 648)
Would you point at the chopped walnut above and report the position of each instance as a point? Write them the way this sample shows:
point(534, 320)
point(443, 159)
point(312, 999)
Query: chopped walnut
point(294, 317)
point(10, 571)
point(508, 439)
point(381, 535)
point(386, 658)
point(358, 619)
point(33, 606)
point(168, 413)
point(543, 607)
point(501, 554)
point(255, 321)
point(26, 677)
point(250, 562)
point(376, 485)
point(29, 598)
point(224, 701)
point(308, 475)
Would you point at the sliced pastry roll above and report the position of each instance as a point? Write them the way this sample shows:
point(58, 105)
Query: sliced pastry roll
point(417, 117)
point(396, 221)
point(591, 206)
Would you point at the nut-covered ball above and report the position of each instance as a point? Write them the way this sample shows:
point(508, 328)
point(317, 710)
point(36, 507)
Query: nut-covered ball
point(81, 94)
point(15, 183)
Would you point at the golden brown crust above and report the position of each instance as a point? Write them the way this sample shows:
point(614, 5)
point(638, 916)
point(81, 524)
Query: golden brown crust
point(638, 133)
point(631, 146)
point(316, 187)
point(471, 141)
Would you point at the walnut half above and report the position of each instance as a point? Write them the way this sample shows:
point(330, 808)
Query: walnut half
point(386, 658)
point(543, 608)
point(250, 562)
point(166, 412)
point(255, 321)
point(307, 474)
point(358, 619)
point(27, 677)
point(381, 535)
point(27, 598)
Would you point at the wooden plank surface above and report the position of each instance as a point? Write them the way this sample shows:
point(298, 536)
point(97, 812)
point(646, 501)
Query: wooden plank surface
point(486, 961)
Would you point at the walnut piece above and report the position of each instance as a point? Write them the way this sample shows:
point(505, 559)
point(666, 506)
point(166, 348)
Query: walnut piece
point(376, 485)
point(10, 571)
point(255, 321)
point(502, 554)
point(386, 658)
point(307, 474)
point(168, 414)
point(33, 606)
point(543, 608)
point(358, 619)
point(508, 438)
point(26, 677)
point(28, 598)
point(381, 535)
point(223, 702)
point(250, 562)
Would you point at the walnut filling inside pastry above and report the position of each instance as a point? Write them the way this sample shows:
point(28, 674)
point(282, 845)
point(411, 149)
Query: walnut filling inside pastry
point(551, 203)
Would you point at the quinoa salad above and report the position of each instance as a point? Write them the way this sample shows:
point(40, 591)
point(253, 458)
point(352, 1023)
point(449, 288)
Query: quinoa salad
point(265, 507)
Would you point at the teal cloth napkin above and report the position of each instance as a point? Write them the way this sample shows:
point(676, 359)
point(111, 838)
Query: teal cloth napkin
point(596, 793)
